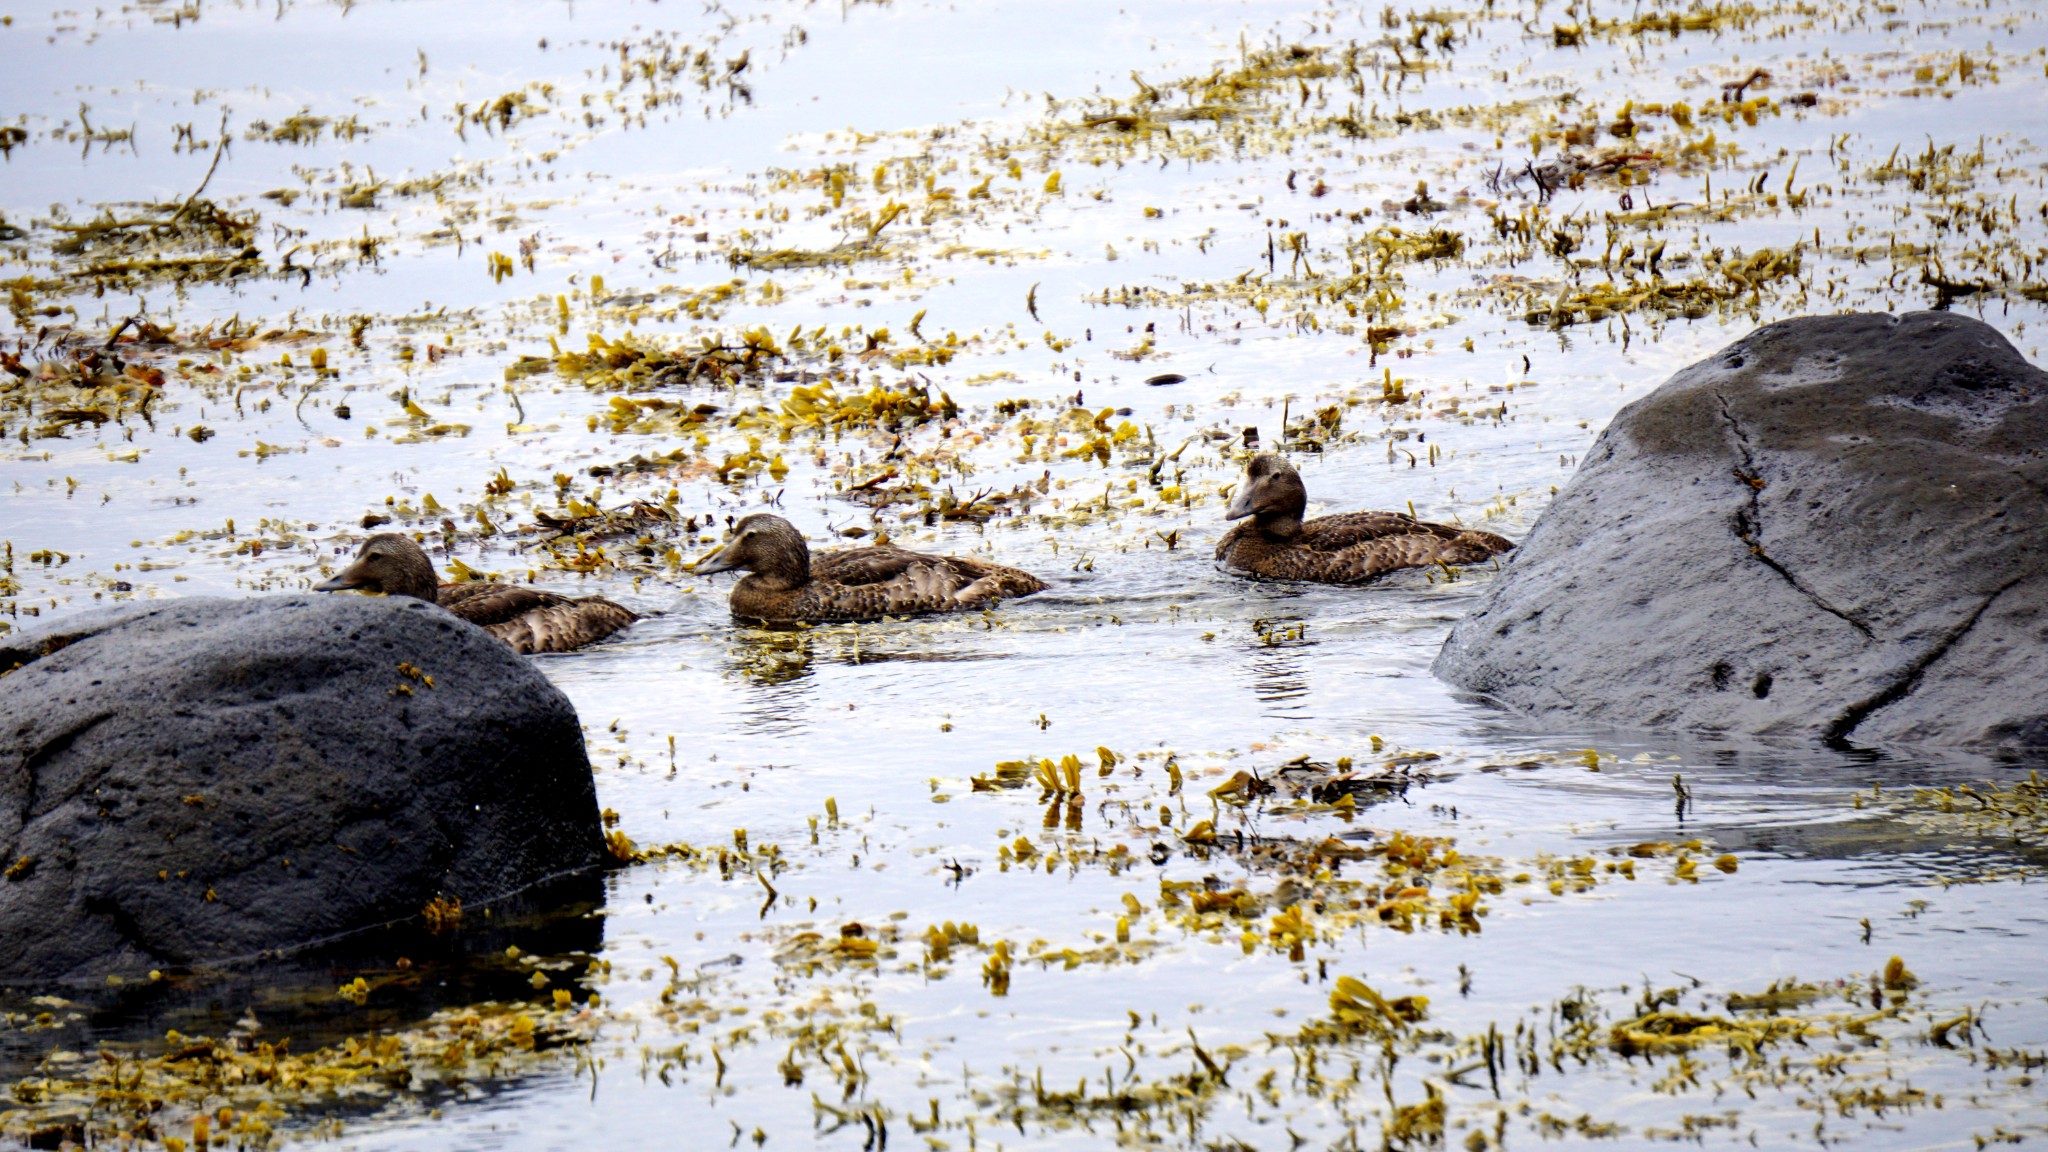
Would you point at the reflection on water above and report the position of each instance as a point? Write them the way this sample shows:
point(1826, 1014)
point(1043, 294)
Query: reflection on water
point(291, 1001)
point(781, 666)
point(1279, 665)
point(772, 656)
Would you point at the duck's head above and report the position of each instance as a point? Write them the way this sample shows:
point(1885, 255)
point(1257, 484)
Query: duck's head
point(1272, 491)
point(769, 547)
point(391, 564)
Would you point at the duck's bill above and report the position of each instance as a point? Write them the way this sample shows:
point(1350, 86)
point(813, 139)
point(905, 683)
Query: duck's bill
point(719, 561)
point(1240, 503)
point(346, 579)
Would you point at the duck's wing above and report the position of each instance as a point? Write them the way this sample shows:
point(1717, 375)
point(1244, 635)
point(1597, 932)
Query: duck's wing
point(1361, 545)
point(865, 583)
point(991, 582)
point(858, 567)
point(1347, 530)
point(485, 604)
point(562, 626)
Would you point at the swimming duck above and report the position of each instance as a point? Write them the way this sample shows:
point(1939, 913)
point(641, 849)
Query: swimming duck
point(528, 619)
point(786, 584)
point(1343, 549)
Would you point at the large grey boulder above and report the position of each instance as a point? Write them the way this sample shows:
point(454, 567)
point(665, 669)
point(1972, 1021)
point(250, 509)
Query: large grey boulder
point(208, 780)
point(1834, 527)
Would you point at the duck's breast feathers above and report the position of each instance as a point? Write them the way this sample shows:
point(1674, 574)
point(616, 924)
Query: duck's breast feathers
point(868, 583)
point(562, 626)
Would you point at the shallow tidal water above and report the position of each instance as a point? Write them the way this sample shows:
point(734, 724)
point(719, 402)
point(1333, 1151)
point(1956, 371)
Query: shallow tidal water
point(563, 288)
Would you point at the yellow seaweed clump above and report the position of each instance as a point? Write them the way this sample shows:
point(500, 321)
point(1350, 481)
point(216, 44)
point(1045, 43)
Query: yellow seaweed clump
point(1991, 810)
point(1761, 1019)
point(631, 364)
point(1656, 1033)
point(1356, 1008)
point(820, 407)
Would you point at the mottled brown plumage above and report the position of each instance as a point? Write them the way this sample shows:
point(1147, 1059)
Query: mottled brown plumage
point(1343, 549)
point(528, 619)
point(786, 584)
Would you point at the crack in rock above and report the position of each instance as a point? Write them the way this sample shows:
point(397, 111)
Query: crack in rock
point(30, 778)
point(1837, 735)
point(47, 751)
point(1748, 526)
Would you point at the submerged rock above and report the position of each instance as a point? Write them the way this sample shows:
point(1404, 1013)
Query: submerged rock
point(1836, 526)
point(208, 780)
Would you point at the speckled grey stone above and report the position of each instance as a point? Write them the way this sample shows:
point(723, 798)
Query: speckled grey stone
point(202, 781)
point(1836, 527)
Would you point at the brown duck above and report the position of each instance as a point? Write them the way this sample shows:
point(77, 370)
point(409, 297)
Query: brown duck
point(1343, 549)
point(528, 619)
point(786, 584)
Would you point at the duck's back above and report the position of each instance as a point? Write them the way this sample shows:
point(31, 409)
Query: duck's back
point(1354, 546)
point(870, 583)
point(532, 620)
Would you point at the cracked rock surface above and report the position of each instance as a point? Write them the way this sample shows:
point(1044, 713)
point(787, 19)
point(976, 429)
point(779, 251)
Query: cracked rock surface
point(207, 780)
point(1836, 526)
